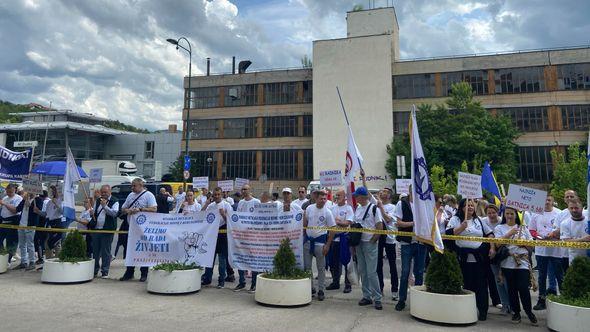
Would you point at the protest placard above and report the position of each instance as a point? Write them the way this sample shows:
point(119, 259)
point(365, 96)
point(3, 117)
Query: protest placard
point(95, 175)
point(240, 182)
point(32, 186)
point(226, 185)
point(526, 199)
point(469, 185)
point(331, 178)
point(402, 186)
point(200, 182)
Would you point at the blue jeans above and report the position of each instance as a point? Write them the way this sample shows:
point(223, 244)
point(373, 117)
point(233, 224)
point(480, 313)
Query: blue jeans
point(417, 252)
point(549, 266)
point(366, 256)
point(502, 288)
point(208, 276)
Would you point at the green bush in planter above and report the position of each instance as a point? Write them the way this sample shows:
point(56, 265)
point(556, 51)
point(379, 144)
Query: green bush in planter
point(444, 274)
point(285, 265)
point(176, 266)
point(73, 249)
point(576, 288)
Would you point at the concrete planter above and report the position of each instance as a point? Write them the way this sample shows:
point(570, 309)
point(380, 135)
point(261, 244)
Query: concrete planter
point(282, 292)
point(56, 272)
point(565, 318)
point(443, 308)
point(175, 282)
point(3, 263)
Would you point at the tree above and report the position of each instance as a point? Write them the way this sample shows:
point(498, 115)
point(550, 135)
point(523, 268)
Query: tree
point(569, 172)
point(442, 183)
point(176, 170)
point(357, 8)
point(463, 132)
point(306, 62)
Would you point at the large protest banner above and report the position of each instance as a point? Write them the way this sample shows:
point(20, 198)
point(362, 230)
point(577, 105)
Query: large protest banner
point(254, 237)
point(14, 165)
point(156, 238)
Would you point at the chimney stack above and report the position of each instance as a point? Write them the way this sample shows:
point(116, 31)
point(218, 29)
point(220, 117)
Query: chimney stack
point(208, 66)
point(233, 64)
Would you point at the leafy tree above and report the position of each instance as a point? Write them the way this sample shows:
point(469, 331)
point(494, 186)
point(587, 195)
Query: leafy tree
point(116, 124)
point(176, 170)
point(357, 8)
point(461, 131)
point(569, 173)
point(442, 183)
point(7, 107)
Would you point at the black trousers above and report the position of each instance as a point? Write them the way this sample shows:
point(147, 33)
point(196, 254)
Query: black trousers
point(336, 265)
point(474, 279)
point(518, 286)
point(88, 239)
point(54, 237)
point(491, 281)
point(131, 270)
point(391, 259)
point(40, 238)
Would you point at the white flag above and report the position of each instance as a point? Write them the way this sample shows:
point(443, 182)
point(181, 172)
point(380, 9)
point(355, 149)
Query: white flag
point(425, 225)
point(588, 180)
point(353, 164)
point(71, 176)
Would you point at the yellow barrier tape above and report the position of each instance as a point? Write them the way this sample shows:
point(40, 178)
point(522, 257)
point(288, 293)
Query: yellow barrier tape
point(61, 230)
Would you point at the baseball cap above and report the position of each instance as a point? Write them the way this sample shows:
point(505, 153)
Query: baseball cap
point(287, 190)
point(360, 191)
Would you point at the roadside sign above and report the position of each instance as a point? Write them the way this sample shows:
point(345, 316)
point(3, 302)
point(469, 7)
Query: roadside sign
point(26, 144)
point(186, 175)
point(187, 164)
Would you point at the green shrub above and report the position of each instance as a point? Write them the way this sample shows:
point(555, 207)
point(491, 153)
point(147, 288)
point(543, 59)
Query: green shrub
point(285, 265)
point(576, 288)
point(74, 248)
point(444, 274)
point(176, 266)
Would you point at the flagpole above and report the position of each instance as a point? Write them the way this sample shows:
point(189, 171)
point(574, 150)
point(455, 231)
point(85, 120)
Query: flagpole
point(347, 122)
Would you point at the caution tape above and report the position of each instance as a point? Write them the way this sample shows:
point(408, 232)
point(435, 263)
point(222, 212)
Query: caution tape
point(517, 242)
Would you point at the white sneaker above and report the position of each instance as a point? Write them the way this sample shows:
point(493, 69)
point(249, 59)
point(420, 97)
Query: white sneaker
point(499, 306)
point(394, 296)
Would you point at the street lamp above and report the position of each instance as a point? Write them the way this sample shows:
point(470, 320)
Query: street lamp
point(190, 59)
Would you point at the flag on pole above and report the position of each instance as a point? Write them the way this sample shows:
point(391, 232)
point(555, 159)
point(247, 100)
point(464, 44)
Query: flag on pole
point(425, 225)
point(588, 190)
point(71, 177)
point(353, 164)
point(488, 182)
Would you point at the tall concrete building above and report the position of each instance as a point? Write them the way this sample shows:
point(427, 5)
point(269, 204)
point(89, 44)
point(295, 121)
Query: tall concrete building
point(258, 125)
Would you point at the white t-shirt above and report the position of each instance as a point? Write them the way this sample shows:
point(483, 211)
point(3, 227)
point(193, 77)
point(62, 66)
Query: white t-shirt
point(544, 224)
point(229, 200)
point(344, 213)
point(14, 201)
point(370, 221)
point(491, 225)
point(221, 205)
point(299, 202)
point(318, 218)
point(146, 200)
point(294, 207)
point(178, 200)
point(24, 216)
point(247, 206)
point(192, 208)
point(475, 227)
point(525, 234)
point(390, 226)
point(203, 200)
point(572, 229)
point(86, 216)
point(51, 210)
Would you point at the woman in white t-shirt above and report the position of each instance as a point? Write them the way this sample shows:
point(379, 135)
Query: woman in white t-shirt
point(83, 221)
point(190, 205)
point(516, 268)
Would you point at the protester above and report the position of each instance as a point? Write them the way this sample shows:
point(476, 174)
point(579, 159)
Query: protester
point(516, 267)
point(387, 243)
point(265, 197)
point(228, 198)
point(288, 204)
point(41, 237)
point(568, 195)
point(139, 200)
point(317, 242)
point(496, 283)
point(312, 199)
point(216, 203)
point(301, 199)
point(246, 205)
point(179, 199)
point(26, 237)
point(237, 199)
point(472, 254)
point(190, 205)
point(343, 216)
point(83, 222)
point(104, 218)
point(480, 210)
point(10, 216)
point(204, 196)
point(548, 258)
point(54, 213)
point(163, 201)
point(575, 228)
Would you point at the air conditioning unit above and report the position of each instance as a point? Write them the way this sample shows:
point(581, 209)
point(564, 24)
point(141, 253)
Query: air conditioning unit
point(234, 93)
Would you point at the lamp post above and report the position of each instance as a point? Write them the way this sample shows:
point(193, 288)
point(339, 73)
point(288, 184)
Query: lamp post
point(186, 135)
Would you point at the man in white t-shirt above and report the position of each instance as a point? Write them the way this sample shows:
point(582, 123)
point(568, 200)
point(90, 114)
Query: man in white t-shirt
point(575, 228)
point(10, 216)
point(340, 251)
point(318, 242)
point(288, 203)
point(301, 199)
point(203, 198)
point(246, 204)
point(561, 217)
point(387, 242)
point(179, 198)
point(548, 258)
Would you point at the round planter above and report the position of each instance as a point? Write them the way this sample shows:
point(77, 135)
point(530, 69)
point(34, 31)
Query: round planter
point(443, 308)
point(282, 292)
point(56, 272)
point(3, 263)
point(175, 282)
point(565, 318)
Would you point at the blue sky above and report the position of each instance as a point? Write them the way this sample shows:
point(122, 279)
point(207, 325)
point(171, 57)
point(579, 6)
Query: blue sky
point(110, 57)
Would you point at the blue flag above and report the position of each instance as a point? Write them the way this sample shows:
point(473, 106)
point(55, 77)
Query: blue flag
point(14, 165)
point(488, 182)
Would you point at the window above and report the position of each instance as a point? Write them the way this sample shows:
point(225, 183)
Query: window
point(535, 164)
point(149, 150)
point(528, 119)
point(241, 95)
point(307, 91)
point(239, 164)
point(573, 77)
point(520, 80)
point(203, 129)
point(308, 164)
point(280, 164)
point(576, 117)
point(205, 162)
point(401, 122)
point(203, 97)
point(413, 86)
point(239, 128)
point(280, 93)
point(280, 126)
point(307, 125)
point(478, 79)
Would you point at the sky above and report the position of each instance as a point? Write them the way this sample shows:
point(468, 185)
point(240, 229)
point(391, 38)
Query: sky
point(110, 58)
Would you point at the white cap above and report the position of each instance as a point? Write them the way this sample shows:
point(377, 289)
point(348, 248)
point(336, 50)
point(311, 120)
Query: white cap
point(287, 190)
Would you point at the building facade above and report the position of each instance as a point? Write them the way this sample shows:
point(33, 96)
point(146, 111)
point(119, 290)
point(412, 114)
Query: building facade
point(259, 125)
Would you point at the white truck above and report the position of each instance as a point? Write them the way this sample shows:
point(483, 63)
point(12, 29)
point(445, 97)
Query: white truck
point(110, 167)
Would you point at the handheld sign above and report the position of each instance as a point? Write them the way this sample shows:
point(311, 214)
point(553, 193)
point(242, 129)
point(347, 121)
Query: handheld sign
point(402, 186)
point(33, 186)
point(331, 178)
point(95, 175)
point(469, 185)
point(200, 182)
point(526, 199)
point(240, 183)
point(226, 185)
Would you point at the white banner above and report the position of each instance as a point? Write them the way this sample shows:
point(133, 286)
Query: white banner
point(469, 185)
point(240, 183)
point(402, 186)
point(200, 182)
point(226, 185)
point(254, 237)
point(331, 178)
point(526, 199)
point(156, 238)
